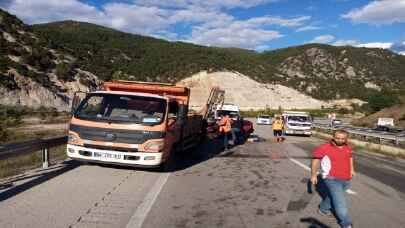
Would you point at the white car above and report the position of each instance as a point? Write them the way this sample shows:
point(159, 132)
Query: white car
point(263, 119)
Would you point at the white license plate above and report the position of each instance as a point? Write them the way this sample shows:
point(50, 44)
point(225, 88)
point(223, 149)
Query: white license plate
point(106, 155)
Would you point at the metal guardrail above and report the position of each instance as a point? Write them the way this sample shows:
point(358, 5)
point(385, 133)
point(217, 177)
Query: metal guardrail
point(368, 134)
point(28, 147)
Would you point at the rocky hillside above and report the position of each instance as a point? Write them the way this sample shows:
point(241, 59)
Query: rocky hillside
point(247, 93)
point(44, 64)
point(33, 74)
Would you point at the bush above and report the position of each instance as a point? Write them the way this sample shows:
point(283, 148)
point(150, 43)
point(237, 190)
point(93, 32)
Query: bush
point(4, 133)
point(4, 64)
point(64, 71)
point(381, 101)
point(21, 69)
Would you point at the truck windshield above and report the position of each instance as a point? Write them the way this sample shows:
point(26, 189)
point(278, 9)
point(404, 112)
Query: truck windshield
point(122, 108)
point(299, 118)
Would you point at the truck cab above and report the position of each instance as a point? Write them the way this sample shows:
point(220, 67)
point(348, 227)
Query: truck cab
point(131, 123)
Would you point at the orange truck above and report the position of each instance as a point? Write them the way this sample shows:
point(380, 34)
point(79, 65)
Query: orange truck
point(135, 123)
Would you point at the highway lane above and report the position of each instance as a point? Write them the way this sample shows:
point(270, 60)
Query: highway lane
point(262, 184)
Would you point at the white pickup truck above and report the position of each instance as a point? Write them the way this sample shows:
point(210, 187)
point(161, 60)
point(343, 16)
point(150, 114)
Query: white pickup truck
point(297, 123)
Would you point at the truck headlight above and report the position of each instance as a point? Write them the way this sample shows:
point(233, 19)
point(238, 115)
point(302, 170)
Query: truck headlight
point(154, 146)
point(73, 139)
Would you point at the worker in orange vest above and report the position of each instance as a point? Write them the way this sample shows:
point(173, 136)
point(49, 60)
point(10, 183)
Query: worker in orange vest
point(278, 126)
point(225, 128)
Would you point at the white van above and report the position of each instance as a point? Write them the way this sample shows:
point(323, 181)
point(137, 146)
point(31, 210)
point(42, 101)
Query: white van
point(227, 109)
point(297, 123)
point(263, 119)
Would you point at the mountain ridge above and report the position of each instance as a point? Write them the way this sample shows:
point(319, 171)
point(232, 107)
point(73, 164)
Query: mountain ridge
point(85, 54)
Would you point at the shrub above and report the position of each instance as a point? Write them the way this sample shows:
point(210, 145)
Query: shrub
point(64, 71)
point(381, 101)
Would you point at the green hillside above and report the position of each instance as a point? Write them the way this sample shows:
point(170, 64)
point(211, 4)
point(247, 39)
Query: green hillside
point(321, 71)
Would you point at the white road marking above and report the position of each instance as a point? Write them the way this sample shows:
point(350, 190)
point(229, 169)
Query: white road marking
point(300, 164)
point(349, 191)
point(143, 209)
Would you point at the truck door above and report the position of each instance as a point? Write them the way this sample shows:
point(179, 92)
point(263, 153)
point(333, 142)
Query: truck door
point(173, 132)
point(78, 97)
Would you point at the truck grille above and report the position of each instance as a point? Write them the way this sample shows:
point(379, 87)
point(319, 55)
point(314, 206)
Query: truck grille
point(110, 148)
point(115, 135)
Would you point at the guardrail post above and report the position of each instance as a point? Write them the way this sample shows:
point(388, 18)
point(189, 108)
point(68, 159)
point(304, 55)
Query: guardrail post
point(45, 158)
point(396, 141)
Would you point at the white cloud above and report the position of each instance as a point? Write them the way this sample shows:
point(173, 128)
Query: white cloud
point(206, 4)
point(379, 12)
point(346, 43)
point(205, 22)
point(41, 11)
point(268, 20)
point(136, 19)
point(376, 45)
point(323, 39)
point(198, 15)
point(244, 34)
point(233, 36)
point(308, 28)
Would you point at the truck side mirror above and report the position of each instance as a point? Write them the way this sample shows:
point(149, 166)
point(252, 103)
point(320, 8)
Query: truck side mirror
point(77, 99)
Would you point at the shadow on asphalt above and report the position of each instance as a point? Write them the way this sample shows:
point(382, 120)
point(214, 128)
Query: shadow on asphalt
point(210, 148)
point(38, 179)
point(313, 223)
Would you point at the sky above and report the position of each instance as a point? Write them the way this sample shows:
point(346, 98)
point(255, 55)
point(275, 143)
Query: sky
point(251, 24)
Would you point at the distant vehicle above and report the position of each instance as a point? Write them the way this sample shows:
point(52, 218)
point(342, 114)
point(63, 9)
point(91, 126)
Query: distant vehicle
point(388, 122)
point(337, 123)
point(385, 124)
point(297, 123)
point(382, 128)
point(227, 109)
point(233, 111)
point(263, 119)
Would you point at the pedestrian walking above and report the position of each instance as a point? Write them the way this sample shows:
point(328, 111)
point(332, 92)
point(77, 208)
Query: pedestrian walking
point(225, 128)
point(278, 126)
point(336, 171)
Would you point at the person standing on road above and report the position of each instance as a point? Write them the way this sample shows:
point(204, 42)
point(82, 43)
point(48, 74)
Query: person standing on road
point(236, 129)
point(225, 128)
point(336, 166)
point(278, 126)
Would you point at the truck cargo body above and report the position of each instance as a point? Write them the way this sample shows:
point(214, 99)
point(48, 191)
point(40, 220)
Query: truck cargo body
point(133, 124)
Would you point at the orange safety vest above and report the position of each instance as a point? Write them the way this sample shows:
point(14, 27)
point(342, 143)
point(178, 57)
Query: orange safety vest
point(278, 125)
point(225, 125)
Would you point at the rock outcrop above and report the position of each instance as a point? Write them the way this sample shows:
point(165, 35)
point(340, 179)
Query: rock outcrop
point(247, 93)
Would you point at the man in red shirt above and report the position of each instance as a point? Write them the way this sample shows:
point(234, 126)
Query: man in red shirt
point(336, 163)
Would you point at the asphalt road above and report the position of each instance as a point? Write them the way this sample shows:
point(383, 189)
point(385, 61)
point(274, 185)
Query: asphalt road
point(261, 184)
